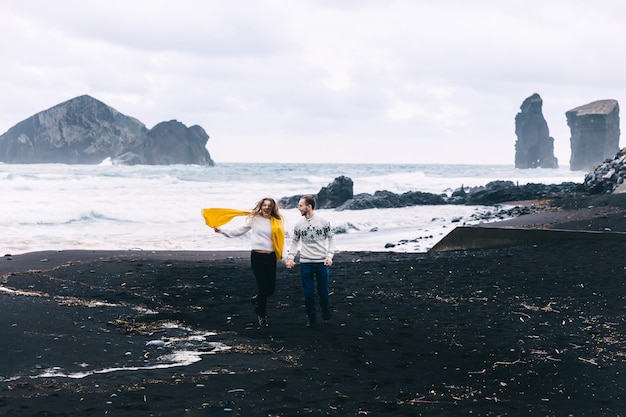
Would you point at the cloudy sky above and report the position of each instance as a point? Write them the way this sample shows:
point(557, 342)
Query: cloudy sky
point(390, 81)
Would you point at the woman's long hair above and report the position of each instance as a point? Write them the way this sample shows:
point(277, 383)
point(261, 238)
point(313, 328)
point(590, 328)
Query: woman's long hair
point(274, 208)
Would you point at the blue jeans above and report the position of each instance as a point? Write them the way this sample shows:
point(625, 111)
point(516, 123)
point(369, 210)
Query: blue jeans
point(308, 273)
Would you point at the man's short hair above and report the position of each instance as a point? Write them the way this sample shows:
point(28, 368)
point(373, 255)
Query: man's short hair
point(309, 200)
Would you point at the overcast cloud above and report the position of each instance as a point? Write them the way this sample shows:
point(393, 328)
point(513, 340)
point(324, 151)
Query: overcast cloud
point(406, 81)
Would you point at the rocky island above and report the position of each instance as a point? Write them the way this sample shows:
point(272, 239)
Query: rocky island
point(84, 130)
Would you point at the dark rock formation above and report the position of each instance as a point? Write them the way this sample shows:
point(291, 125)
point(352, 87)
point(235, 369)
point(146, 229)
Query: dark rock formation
point(86, 131)
point(387, 199)
point(493, 193)
point(332, 196)
point(534, 147)
point(168, 143)
point(595, 133)
point(497, 192)
point(336, 193)
point(608, 176)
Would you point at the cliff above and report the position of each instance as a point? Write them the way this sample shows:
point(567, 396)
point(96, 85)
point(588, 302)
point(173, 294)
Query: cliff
point(595, 133)
point(84, 130)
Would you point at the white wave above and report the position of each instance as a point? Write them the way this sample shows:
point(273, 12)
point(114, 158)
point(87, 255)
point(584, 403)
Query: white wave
point(56, 207)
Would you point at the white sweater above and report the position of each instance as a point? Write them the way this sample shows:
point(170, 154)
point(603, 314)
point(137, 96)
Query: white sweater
point(261, 236)
point(315, 238)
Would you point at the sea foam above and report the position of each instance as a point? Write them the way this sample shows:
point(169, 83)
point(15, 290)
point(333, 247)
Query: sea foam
point(61, 207)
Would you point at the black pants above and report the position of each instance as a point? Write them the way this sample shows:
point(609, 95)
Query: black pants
point(264, 270)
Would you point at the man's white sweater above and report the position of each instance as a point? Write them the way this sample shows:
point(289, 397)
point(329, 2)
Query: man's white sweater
point(315, 238)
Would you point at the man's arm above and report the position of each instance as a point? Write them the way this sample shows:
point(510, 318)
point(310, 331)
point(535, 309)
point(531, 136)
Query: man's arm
point(331, 246)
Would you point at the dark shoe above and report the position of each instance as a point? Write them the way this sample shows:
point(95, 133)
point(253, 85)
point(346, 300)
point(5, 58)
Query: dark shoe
point(263, 322)
point(326, 315)
point(311, 323)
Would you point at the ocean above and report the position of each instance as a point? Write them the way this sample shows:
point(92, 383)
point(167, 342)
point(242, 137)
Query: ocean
point(62, 207)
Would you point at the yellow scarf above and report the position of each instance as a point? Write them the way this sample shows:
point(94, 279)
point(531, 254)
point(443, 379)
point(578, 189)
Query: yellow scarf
point(216, 217)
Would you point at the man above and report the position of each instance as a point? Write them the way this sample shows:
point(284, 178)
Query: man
point(315, 237)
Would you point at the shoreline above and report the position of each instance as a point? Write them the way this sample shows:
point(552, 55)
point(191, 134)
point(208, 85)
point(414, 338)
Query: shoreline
point(597, 213)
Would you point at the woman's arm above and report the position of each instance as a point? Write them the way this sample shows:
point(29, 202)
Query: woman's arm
point(236, 232)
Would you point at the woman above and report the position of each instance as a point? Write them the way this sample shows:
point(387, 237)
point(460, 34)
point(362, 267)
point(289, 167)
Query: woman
point(267, 242)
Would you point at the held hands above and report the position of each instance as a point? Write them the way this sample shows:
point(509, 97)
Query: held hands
point(289, 263)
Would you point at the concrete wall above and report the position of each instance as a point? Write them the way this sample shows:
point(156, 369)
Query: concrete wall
point(493, 237)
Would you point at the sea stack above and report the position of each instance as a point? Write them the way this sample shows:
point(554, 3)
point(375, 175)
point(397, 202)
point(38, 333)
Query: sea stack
point(534, 147)
point(595, 133)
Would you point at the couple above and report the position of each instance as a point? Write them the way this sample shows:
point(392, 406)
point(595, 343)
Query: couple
point(313, 234)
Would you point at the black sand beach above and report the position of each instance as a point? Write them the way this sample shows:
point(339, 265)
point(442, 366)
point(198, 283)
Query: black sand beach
point(536, 330)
